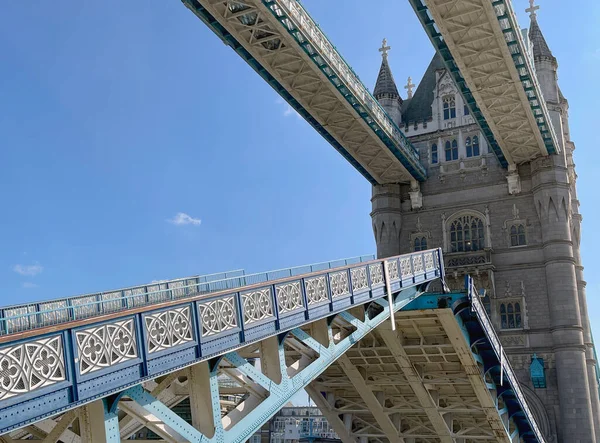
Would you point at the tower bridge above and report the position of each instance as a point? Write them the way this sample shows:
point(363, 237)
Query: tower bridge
point(478, 161)
point(361, 338)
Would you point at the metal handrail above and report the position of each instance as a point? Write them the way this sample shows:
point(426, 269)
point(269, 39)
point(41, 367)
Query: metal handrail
point(494, 340)
point(303, 21)
point(32, 316)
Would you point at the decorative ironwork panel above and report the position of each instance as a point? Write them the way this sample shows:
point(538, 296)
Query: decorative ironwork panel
point(112, 301)
point(192, 286)
point(135, 296)
point(85, 306)
point(405, 267)
point(417, 263)
point(167, 329)
point(392, 267)
point(31, 365)
point(316, 290)
point(257, 305)
point(289, 297)
point(376, 274)
point(103, 346)
point(429, 262)
point(19, 319)
point(359, 278)
point(177, 288)
point(158, 293)
point(339, 284)
point(218, 315)
point(58, 312)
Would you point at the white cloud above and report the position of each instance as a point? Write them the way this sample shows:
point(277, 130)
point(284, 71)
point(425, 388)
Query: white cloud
point(29, 270)
point(29, 285)
point(288, 110)
point(181, 218)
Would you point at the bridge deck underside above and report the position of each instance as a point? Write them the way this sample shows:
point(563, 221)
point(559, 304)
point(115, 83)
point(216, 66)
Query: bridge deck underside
point(416, 384)
point(490, 54)
point(290, 62)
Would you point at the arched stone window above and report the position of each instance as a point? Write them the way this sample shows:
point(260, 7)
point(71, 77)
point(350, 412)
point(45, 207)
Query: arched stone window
point(472, 146)
point(449, 107)
point(517, 235)
point(434, 154)
point(475, 146)
point(420, 244)
point(510, 316)
point(467, 233)
point(451, 150)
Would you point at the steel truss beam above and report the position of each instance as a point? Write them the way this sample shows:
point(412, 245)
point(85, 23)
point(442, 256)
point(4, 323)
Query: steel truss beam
point(436, 379)
point(482, 47)
point(235, 427)
point(282, 43)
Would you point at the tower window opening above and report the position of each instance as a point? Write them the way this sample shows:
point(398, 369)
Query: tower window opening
point(466, 110)
point(510, 316)
point(420, 244)
point(517, 235)
point(434, 154)
point(451, 150)
point(475, 146)
point(467, 234)
point(449, 107)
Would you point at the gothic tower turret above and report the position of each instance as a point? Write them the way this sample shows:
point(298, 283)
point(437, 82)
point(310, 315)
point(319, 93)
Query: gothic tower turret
point(386, 215)
point(385, 90)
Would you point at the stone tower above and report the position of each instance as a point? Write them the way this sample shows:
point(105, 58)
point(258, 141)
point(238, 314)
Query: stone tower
point(515, 230)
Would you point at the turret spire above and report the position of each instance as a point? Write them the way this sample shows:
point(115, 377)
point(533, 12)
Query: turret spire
point(386, 92)
point(540, 47)
point(385, 86)
point(532, 8)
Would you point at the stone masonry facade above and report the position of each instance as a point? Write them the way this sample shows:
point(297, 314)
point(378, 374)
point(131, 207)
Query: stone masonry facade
point(516, 230)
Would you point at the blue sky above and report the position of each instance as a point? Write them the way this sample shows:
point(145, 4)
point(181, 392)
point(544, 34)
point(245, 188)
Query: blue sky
point(117, 118)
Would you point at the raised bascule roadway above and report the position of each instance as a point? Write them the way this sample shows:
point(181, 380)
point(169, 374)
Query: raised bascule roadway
point(381, 358)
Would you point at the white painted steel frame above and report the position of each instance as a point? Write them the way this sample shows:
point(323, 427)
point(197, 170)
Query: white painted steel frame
point(472, 31)
point(255, 27)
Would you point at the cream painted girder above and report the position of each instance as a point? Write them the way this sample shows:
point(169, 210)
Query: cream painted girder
point(271, 45)
point(477, 43)
point(427, 383)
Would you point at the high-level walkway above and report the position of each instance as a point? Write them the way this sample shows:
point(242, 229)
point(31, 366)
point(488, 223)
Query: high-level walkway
point(106, 377)
point(481, 44)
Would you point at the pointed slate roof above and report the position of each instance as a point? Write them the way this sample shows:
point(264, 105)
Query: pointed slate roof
point(385, 86)
point(540, 47)
point(418, 108)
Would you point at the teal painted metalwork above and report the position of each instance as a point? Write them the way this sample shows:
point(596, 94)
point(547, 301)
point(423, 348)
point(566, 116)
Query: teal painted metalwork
point(111, 423)
point(170, 418)
point(537, 373)
point(514, 40)
point(101, 356)
point(441, 47)
point(346, 82)
point(37, 315)
point(300, 25)
point(508, 23)
point(279, 393)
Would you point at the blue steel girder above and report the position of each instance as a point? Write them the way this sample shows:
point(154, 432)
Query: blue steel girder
point(54, 369)
point(282, 43)
point(509, 44)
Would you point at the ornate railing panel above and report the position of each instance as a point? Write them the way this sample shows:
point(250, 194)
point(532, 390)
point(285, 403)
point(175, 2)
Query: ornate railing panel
point(114, 350)
point(38, 315)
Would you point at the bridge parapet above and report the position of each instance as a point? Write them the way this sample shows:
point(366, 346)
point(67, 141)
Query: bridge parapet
point(38, 315)
point(58, 367)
